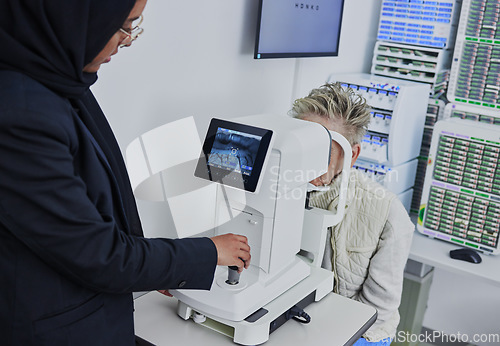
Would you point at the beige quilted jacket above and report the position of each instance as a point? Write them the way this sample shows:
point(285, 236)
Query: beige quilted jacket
point(368, 249)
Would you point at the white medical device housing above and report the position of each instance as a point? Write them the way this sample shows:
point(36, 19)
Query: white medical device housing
point(270, 212)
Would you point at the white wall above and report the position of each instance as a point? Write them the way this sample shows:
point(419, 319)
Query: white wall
point(196, 59)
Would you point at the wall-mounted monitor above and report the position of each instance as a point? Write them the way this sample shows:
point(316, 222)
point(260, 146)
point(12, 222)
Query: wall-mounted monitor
point(295, 29)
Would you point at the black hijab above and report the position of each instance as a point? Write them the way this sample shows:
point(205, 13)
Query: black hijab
point(51, 41)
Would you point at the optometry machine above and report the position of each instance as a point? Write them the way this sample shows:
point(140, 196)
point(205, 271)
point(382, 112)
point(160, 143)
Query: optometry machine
point(262, 166)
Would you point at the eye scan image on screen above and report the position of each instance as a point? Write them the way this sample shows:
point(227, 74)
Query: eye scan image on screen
point(234, 151)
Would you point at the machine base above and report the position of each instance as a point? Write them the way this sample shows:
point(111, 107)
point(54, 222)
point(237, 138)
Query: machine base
point(257, 327)
point(236, 302)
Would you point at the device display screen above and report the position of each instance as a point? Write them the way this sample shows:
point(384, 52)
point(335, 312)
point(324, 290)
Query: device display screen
point(233, 154)
point(234, 150)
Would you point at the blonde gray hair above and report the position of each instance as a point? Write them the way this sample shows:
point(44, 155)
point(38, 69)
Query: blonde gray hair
point(341, 104)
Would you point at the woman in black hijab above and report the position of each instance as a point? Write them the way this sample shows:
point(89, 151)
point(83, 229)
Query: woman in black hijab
point(71, 245)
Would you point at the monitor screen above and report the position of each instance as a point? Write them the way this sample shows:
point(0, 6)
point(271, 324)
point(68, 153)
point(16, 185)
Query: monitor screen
point(234, 150)
point(293, 29)
point(233, 154)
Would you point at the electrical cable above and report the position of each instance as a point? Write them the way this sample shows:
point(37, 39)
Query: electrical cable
point(298, 315)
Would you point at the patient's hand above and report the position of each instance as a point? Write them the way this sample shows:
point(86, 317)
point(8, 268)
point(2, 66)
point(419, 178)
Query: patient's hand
point(232, 250)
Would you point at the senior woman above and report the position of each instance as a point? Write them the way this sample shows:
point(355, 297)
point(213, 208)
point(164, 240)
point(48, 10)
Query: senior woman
point(71, 244)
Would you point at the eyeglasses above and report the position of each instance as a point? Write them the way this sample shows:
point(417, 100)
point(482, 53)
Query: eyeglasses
point(133, 33)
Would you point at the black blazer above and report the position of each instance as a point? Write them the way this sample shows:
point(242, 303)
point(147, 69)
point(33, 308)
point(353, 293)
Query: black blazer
point(68, 262)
